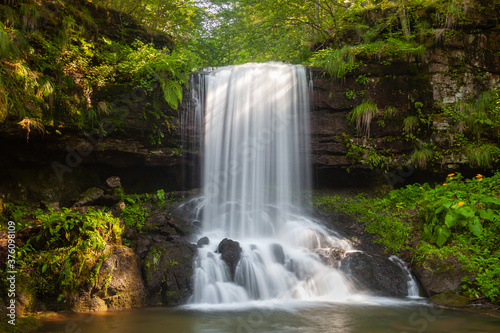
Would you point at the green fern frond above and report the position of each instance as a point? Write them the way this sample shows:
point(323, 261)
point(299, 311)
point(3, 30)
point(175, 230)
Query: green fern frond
point(410, 124)
point(362, 115)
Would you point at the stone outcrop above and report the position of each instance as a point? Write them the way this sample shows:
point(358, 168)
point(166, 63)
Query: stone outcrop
point(440, 276)
point(119, 284)
point(375, 274)
point(458, 68)
point(231, 253)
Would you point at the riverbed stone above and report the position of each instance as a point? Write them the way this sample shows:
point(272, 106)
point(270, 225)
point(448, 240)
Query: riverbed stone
point(202, 242)
point(441, 275)
point(230, 251)
point(278, 253)
point(449, 300)
point(375, 274)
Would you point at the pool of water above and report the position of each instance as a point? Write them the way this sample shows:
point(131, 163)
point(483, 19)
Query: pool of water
point(370, 315)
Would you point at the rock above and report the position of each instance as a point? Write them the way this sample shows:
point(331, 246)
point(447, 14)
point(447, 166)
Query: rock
point(375, 273)
point(231, 253)
point(54, 205)
point(113, 182)
point(441, 275)
point(278, 253)
point(449, 300)
point(129, 232)
point(117, 209)
point(156, 219)
point(332, 256)
point(143, 243)
point(88, 197)
point(168, 271)
point(85, 301)
point(119, 284)
point(107, 200)
point(121, 280)
point(202, 242)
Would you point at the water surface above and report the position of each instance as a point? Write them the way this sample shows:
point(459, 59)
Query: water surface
point(375, 315)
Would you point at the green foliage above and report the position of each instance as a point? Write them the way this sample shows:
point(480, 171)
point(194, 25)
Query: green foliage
point(422, 155)
point(134, 214)
point(458, 219)
point(477, 117)
point(410, 124)
point(390, 111)
point(174, 17)
point(485, 155)
point(50, 74)
point(337, 62)
point(362, 115)
point(160, 194)
point(64, 252)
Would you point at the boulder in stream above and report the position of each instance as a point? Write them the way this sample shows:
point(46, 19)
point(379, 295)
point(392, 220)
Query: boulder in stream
point(231, 253)
point(375, 273)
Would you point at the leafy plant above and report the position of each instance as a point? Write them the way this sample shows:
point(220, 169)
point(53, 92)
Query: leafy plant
point(337, 62)
point(410, 124)
point(362, 115)
point(458, 219)
point(422, 154)
point(482, 155)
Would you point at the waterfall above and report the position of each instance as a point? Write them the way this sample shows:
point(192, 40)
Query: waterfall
point(255, 169)
point(413, 290)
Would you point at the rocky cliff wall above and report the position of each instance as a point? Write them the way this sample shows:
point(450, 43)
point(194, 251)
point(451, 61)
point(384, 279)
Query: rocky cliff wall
point(458, 68)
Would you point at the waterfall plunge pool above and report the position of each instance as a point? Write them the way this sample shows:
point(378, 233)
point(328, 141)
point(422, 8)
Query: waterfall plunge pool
point(372, 315)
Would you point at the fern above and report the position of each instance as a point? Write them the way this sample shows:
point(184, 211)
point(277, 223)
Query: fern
point(390, 111)
point(363, 115)
point(482, 156)
point(336, 62)
point(422, 155)
point(410, 123)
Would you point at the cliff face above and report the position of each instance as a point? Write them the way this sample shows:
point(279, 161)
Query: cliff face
point(55, 167)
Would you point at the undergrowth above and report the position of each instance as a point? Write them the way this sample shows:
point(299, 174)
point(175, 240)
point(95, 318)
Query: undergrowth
point(459, 218)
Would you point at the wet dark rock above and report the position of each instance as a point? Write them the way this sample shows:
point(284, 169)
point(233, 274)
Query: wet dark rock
point(231, 253)
point(119, 283)
point(168, 271)
point(332, 256)
point(129, 232)
point(114, 182)
point(375, 273)
point(449, 299)
point(54, 205)
point(202, 242)
point(117, 209)
point(107, 200)
point(441, 275)
point(89, 197)
point(142, 244)
point(278, 253)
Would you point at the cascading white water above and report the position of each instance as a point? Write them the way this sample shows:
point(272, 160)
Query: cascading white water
point(255, 167)
point(413, 290)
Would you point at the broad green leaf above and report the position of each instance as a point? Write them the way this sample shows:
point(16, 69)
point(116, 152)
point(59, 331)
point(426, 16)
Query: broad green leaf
point(450, 219)
point(44, 268)
point(442, 235)
point(465, 213)
point(487, 214)
point(475, 227)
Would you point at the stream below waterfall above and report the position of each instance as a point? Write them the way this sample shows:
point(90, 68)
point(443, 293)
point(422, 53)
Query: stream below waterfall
point(387, 316)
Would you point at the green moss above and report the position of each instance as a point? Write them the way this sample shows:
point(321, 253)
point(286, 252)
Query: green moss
point(23, 325)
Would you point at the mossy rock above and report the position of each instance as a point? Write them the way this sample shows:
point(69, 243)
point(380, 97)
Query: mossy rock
point(25, 324)
point(449, 300)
